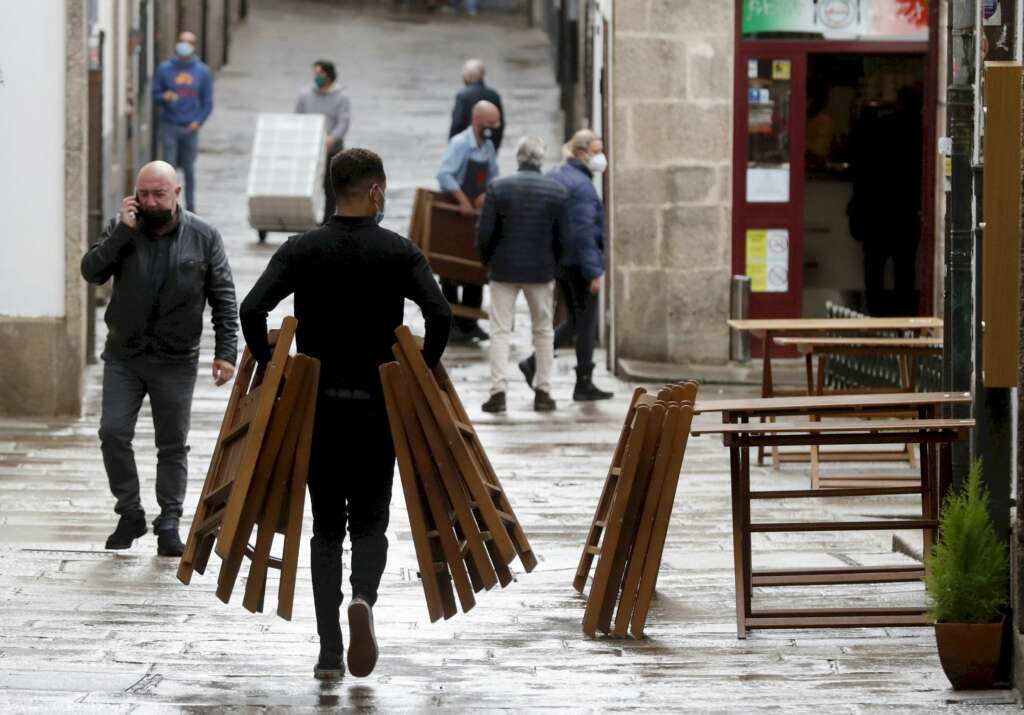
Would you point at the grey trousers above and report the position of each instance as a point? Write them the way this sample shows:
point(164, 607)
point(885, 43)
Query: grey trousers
point(170, 387)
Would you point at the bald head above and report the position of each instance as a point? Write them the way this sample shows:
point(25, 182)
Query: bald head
point(157, 188)
point(188, 37)
point(486, 110)
point(486, 119)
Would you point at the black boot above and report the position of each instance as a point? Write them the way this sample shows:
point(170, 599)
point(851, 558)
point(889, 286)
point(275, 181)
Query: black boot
point(529, 369)
point(325, 567)
point(168, 543)
point(129, 528)
point(585, 390)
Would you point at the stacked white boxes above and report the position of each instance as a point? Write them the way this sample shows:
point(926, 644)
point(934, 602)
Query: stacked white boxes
point(285, 189)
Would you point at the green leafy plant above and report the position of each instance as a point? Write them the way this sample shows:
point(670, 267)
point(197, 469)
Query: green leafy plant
point(968, 567)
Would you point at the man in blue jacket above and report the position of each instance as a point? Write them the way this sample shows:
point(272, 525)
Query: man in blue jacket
point(183, 90)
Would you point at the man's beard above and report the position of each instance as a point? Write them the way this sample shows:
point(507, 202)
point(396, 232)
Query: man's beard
point(157, 218)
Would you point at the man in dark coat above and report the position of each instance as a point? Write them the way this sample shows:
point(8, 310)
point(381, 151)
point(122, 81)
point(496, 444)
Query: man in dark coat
point(519, 237)
point(167, 263)
point(475, 91)
point(350, 278)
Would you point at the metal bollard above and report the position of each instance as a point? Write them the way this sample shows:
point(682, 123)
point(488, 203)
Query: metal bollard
point(739, 309)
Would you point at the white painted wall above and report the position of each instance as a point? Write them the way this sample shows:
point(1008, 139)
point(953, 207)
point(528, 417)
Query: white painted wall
point(32, 159)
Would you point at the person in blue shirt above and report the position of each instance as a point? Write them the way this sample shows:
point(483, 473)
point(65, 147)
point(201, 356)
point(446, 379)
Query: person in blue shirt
point(468, 165)
point(183, 90)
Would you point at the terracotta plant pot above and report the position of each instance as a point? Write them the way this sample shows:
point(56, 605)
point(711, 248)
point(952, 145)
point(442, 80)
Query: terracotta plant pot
point(970, 653)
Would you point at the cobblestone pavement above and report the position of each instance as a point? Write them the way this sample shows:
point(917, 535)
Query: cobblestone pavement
point(83, 629)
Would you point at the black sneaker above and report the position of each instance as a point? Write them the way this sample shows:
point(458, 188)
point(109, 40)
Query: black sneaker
point(168, 543)
point(496, 403)
point(129, 528)
point(329, 666)
point(542, 402)
point(529, 369)
point(362, 643)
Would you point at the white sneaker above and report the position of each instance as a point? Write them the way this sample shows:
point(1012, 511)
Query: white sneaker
point(362, 644)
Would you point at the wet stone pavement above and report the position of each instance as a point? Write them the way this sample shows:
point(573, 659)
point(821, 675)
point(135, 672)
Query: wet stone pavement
point(83, 629)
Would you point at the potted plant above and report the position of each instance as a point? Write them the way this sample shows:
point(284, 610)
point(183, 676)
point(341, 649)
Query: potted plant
point(968, 574)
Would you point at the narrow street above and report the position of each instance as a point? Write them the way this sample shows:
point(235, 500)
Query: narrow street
point(85, 629)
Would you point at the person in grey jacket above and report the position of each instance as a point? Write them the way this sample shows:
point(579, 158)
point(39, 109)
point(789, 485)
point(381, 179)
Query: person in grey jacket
point(520, 239)
point(167, 263)
point(325, 98)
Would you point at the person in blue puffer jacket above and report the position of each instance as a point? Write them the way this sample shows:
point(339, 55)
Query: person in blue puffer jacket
point(183, 90)
point(582, 263)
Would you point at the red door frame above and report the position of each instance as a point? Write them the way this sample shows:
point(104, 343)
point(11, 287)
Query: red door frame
point(780, 305)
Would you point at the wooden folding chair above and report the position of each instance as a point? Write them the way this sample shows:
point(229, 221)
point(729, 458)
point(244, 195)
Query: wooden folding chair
point(489, 498)
point(433, 568)
point(592, 547)
point(276, 509)
point(642, 576)
point(237, 451)
point(483, 563)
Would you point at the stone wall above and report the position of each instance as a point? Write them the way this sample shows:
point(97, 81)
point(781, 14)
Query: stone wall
point(44, 357)
point(671, 140)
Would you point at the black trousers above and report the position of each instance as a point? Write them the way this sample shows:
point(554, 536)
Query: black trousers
point(329, 198)
point(169, 386)
point(584, 312)
point(351, 471)
point(472, 297)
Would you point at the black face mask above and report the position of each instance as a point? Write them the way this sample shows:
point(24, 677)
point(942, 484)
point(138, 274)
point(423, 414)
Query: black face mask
point(487, 133)
point(155, 219)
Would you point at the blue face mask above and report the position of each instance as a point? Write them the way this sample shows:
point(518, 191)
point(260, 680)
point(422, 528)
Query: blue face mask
point(184, 49)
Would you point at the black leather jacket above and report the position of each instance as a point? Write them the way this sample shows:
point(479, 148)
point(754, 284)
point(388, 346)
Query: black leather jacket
point(198, 273)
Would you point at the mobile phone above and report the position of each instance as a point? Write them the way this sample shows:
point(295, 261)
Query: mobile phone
point(138, 209)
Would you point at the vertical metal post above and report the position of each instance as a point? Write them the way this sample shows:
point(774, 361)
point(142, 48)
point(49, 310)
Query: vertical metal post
point(739, 309)
point(958, 308)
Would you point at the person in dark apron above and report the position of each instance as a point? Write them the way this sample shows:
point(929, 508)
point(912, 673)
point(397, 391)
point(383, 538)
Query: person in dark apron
point(469, 164)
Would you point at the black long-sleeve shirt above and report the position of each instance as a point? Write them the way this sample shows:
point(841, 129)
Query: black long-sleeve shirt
point(350, 279)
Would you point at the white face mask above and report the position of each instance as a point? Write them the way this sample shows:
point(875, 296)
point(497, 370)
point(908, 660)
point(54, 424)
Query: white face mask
point(598, 163)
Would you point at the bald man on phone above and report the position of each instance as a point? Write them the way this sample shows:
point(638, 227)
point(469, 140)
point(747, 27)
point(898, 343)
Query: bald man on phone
point(167, 264)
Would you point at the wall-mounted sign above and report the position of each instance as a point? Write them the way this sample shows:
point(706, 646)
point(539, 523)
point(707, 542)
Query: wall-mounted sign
point(768, 260)
point(895, 20)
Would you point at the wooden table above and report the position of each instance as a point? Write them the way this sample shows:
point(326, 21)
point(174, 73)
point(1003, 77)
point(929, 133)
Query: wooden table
point(933, 435)
point(904, 350)
point(768, 330)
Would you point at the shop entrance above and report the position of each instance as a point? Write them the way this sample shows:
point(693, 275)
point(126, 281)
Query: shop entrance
point(863, 183)
point(834, 156)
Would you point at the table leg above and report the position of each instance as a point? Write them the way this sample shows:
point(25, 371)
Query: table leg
point(816, 387)
point(766, 383)
point(738, 541)
point(748, 567)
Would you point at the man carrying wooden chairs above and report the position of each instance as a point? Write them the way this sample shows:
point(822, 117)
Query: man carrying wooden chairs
point(350, 279)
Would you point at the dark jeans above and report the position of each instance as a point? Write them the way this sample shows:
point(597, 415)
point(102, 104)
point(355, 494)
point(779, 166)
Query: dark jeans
point(584, 312)
point(351, 470)
point(472, 297)
point(180, 147)
point(170, 387)
point(329, 198)
point(902, 300)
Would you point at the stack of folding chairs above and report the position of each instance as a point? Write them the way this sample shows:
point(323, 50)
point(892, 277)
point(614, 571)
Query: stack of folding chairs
point(257, 476)
point(628, 531)
point(464, 529)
